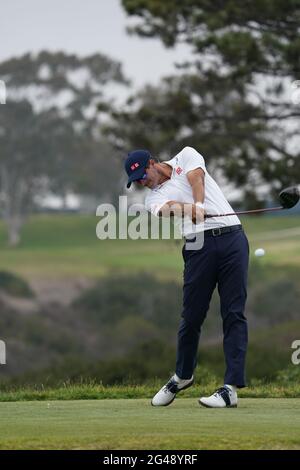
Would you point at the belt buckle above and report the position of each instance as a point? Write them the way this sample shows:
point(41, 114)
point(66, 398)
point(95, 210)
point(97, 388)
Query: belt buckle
point(216, 232)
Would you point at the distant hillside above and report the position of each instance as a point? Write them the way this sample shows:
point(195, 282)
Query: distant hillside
point(124, 325)
point(109, 310)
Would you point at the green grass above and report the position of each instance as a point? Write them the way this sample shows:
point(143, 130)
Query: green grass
point(90, 391)
point(134, 424)
point(96, 417)
point(66, 245)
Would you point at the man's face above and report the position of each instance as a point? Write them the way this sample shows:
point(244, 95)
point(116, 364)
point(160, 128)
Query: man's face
point(151, 177)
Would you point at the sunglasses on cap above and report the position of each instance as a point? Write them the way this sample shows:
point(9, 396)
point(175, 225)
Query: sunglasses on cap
point(142, 179)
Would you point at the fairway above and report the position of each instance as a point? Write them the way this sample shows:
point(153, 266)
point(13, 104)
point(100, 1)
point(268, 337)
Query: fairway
point(133, 424)
point(59, 246)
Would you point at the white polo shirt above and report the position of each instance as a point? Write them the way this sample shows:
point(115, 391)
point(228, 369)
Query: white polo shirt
point(178, 188)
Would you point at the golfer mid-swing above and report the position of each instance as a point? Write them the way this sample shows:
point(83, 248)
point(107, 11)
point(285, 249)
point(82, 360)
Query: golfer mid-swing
point(183, 188)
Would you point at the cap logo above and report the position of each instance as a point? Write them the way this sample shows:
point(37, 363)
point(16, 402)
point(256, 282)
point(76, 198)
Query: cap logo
point(134, 166)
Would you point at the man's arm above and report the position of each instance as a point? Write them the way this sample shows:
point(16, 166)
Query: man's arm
point(196, 179)
point(180, 209)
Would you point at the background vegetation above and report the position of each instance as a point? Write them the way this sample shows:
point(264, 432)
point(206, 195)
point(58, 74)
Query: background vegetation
point(74, 308)
point(119, 327)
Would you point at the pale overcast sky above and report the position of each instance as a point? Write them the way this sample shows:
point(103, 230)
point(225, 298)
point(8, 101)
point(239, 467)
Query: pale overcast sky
point(84, 27)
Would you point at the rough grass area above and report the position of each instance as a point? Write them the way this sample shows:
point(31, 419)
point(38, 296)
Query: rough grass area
point(100, 392)
point(134, 424)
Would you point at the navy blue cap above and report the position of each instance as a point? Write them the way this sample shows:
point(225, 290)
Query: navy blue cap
point(135, 165)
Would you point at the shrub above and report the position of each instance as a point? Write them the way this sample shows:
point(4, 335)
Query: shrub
point(14, 285)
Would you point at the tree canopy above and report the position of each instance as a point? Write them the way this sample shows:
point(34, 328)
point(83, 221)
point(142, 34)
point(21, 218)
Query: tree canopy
point(233, 101)
point(253, 36)
point(49, 131)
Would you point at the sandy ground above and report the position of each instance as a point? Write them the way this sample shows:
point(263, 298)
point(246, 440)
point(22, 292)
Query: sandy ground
point(62, 291)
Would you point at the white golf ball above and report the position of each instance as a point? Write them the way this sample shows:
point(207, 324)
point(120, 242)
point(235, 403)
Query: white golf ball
point(260, 252)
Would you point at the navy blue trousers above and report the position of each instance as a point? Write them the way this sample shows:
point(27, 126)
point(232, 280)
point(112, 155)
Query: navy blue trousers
point(222, 262)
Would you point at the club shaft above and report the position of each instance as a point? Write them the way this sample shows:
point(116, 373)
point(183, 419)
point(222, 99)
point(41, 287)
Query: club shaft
point(254, 211)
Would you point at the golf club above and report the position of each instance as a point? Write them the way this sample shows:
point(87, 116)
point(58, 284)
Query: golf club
point(288, 198)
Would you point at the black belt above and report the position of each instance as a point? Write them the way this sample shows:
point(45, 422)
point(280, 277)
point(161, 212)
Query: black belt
point(216, 232)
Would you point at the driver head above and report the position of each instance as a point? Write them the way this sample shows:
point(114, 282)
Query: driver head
point(289, 197)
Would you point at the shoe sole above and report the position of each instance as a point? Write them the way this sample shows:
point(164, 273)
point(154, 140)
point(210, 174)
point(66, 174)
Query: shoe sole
point(207, 406)
point(183, 388)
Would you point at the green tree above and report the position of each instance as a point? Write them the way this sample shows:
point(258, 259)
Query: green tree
point(253, 36)
point(49, 131)
point(235, 97)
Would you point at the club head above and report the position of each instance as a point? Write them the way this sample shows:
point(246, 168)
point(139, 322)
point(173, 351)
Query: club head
point(289, 197)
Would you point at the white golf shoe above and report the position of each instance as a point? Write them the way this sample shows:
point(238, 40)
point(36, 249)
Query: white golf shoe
point(224, 397)
point(167, 393)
